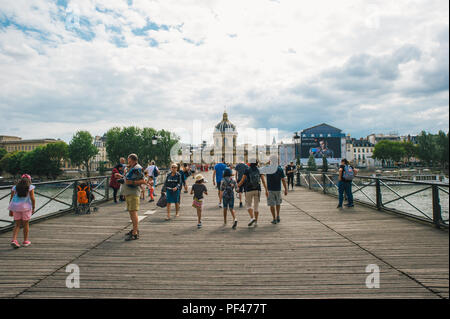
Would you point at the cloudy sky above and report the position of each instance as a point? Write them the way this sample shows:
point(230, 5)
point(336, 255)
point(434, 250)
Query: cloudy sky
point(362, 66)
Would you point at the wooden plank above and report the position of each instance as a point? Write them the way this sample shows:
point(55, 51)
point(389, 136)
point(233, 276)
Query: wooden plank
point(317, 251)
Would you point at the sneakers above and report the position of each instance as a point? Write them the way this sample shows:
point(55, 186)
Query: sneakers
point(234, 225)
point(274, 221)
point(278, 219)
point(240, 205)
point(348, 205)
point(130, 236)
point(199, 225)
point(220, 205)
point(339, 206)
point(15, 244)
point(26, 243)
point(151, 200)
point(252, 221)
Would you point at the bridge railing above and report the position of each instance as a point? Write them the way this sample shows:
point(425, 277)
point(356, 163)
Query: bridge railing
point(55, 198)
point(425, 201)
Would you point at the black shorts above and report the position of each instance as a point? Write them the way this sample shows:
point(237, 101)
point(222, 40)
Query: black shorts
point(218, 185)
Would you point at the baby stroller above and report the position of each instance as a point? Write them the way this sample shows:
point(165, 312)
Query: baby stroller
point(85, 197)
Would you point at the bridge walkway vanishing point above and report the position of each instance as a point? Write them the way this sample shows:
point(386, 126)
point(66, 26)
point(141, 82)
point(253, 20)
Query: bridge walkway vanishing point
point(317, 251)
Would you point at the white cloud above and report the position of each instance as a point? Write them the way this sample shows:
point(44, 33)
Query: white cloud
point(250, 56)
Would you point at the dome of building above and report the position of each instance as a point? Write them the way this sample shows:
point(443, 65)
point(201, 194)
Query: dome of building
point(225, 125)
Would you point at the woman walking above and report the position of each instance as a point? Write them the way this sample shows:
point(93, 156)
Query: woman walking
point(173, 189)
point(113, 183)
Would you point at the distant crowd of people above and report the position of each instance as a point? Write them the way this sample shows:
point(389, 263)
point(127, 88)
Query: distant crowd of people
point(131, 182)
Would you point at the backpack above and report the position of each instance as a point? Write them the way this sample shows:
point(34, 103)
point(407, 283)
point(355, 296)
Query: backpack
point(82, 196)
point(228, 189)
point(348, 173)
point(155, 172)
point(254, 181)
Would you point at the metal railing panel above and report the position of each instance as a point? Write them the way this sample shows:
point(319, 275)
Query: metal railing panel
point(425, 201)
point(54, 198)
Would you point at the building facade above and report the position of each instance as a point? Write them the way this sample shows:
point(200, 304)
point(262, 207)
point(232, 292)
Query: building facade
point(360, 152)
point(225, 137)
point(14, 144)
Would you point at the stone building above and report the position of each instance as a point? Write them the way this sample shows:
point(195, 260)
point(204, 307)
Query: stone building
point(225, 136)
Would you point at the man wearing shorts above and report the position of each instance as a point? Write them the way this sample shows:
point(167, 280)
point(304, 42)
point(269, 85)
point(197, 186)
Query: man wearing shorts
point(252, 179)
point(240, 170)
point(132, 192)
point(274, 199)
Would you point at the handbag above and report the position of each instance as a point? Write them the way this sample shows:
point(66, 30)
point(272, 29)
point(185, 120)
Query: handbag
point(162, 201)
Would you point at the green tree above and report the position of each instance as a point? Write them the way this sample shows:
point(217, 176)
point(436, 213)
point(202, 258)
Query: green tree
point(38, 162)
point(148, 151)
point(389, 151)
point(10, 163)
point(410, 150)
point(324, 164)
point(3, 152)
point(442, 148)
point(81, 150)
point(120, 142)
point(312, 163)
point(102, 168)
point(123, 142)
point(57, 151)
point(427, 148)
point(166, 140)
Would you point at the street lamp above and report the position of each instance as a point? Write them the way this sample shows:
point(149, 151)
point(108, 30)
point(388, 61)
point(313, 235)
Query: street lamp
point(201, 155)
point(297, 155)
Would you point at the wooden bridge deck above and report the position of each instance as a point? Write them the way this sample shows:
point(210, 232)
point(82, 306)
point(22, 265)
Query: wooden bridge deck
point(316, 251)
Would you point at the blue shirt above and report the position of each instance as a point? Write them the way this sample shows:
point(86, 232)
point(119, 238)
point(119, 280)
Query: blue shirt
point(219, 168)
point(134, 174)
